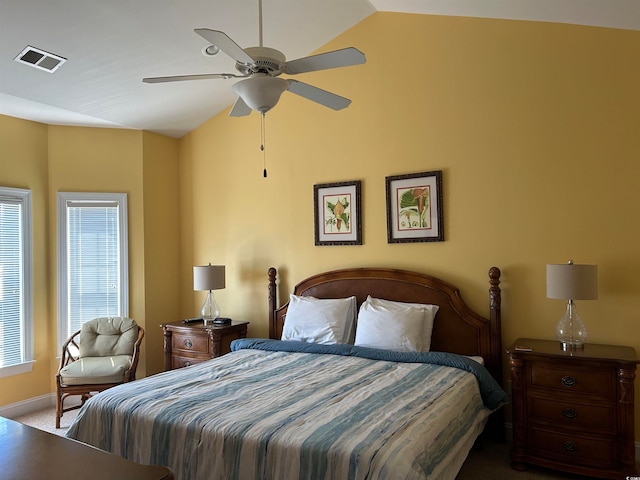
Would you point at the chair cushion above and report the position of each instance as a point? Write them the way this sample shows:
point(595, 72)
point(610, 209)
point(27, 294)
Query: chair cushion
point(95, 370)
point(106, 336)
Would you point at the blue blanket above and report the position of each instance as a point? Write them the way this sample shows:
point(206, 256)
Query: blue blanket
point(493, 396)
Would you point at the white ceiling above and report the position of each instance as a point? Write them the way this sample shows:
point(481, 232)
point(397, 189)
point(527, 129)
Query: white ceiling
point(110, 45)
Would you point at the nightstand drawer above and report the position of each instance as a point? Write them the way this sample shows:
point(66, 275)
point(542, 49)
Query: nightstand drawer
point(571, 449)
point(191, 343)
point(597, 418)
point(574, 381)
point(178, 362)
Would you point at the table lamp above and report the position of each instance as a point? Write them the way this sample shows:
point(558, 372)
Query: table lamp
point(571, 282)
point(209, 277)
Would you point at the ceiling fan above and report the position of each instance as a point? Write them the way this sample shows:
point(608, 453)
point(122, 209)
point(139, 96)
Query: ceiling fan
point(260, 67)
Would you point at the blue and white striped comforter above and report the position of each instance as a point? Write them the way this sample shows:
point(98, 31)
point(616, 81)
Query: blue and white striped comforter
point(261, 414)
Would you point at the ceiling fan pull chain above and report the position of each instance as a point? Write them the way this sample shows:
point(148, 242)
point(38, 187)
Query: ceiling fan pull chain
point(262, 138)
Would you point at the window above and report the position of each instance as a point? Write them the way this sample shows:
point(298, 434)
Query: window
point(16, 304)
point(92, 259)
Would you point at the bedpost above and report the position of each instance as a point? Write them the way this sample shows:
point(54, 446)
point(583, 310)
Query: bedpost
point(496, 322)
point(496, 421)
point(272, 302)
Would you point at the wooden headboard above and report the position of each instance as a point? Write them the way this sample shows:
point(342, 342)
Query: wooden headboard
point(456, 329)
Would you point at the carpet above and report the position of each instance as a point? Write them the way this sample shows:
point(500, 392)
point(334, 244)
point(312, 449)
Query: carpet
point(46, 420)
point(491, 461)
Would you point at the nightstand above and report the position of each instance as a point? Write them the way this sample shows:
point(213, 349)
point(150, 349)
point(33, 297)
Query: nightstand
point(190, 343)
point(573, 410)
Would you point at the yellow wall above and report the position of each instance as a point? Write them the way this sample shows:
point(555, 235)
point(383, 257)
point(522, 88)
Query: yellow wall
point(533, 124)
point(23, 164)
point(144, 166)
point(161, 243)
point(50, 159)
point(100, 160)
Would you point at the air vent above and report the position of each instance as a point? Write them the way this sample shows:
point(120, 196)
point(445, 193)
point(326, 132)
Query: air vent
point(34, 57)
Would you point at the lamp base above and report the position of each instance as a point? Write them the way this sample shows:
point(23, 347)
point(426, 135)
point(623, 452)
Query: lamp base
point(570, 331)
point(569, 346)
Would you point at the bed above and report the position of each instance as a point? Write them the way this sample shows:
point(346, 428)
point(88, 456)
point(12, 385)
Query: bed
point(282, 408)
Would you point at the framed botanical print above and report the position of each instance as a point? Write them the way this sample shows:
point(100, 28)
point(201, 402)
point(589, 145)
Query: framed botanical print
point(414, 207)
point(338, 217)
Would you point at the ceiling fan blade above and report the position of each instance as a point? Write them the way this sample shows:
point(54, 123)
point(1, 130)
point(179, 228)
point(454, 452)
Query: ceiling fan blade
point(180, 78)
point(318, 95)
point(224, 43)
point(240, 109)
point(338, 58)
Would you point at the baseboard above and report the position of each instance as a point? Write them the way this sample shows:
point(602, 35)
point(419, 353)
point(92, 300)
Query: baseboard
point(14, 410)
point(508, 427)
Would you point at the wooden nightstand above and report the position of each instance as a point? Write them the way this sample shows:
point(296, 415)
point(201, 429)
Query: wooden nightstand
point(189, 343)
point(573, 410)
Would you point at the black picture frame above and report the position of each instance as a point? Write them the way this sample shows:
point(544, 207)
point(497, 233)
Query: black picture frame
point(415, 207)
point(337, 213)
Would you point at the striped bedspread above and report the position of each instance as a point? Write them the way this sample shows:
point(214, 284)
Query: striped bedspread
point(261, 414)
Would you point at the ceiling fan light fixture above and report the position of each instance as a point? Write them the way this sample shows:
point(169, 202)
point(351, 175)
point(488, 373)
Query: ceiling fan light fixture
point(260, 93)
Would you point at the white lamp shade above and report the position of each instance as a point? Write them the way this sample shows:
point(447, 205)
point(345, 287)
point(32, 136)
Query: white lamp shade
point(260, 93)
point(208, 277)
point(571, 281)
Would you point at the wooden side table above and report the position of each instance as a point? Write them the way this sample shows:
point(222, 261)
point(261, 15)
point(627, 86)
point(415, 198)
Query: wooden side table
point(190, 343)
point(573, 410)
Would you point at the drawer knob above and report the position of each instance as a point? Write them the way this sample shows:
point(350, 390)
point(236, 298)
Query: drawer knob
point(568, 381)
point(187, 364)
point(570, 446)
point(569, 413)
point(188, 344)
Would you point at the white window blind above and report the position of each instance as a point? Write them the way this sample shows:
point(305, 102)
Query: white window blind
point(94, 261)
point(15, 279)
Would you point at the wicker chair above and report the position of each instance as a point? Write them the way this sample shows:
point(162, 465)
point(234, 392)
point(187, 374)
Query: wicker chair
point(103, 354)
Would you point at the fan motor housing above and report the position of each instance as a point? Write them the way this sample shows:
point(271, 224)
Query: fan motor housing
point(267, 60)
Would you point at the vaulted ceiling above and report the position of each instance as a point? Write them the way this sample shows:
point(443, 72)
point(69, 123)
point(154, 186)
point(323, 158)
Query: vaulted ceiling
point(110, 46)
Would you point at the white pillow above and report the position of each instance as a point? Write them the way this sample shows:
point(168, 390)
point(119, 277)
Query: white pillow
point(320, 320)
point(477, 358)
point(429, 312)
point(386, 328)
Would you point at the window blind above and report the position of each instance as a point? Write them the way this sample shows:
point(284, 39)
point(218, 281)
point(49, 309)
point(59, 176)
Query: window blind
point(93, 262)
point(12, 340)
